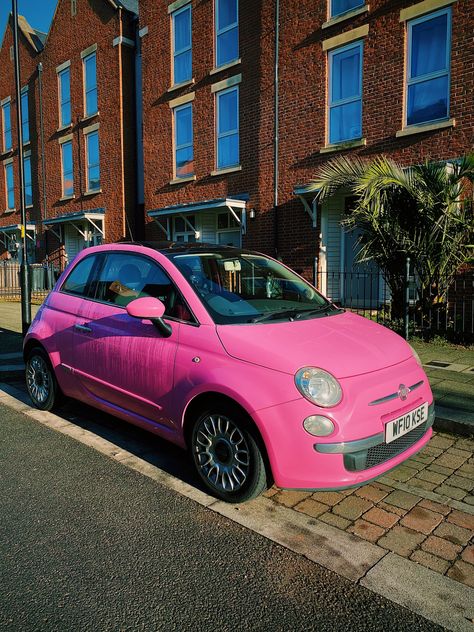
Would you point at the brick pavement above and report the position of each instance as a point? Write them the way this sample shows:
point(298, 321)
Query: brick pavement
point(423, 510)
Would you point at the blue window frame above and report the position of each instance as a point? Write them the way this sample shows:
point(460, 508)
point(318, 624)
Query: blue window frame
point(183, 141)
point(428, 74)
point(10, 186)
point(93, 161)
point(345, 93)
point(64, 82)
point(25, 116)
point(338, 7)
point(90, 84)
point(182, 45)
point(67, 166)
point(28, 184)
point(227, 31)
point(7, 126)
point(227, 121)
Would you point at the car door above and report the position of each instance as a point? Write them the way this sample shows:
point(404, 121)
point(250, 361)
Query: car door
point(122, 361)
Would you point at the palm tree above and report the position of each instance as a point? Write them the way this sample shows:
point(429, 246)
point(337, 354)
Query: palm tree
point(422, 212)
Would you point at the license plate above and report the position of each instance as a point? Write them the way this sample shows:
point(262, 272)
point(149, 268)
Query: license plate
point(402, 425)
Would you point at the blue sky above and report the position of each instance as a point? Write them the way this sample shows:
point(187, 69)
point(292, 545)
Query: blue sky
point(39, 13)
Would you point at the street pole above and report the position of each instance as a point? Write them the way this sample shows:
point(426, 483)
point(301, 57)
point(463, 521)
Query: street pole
point(24, 280)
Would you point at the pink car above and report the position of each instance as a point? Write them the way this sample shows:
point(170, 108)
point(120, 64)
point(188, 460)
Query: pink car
point(232, 355)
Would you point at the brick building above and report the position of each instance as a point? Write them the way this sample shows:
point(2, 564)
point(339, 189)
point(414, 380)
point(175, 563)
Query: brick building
point(395, 77)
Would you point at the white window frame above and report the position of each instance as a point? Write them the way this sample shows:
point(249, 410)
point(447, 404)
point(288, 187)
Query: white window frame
point(7, 167)
point(229, 229)
point(86, 91)
point(63, 172)
point(230, 133)
point(176, 147)
point(335, 51)
point(89, 165)
point(188, 228)
point(25, 115)
point(5, 105)
point(336, 15)
point(187, 7)
point(62, 72)
point(224, 30)
point(433, 75)
point(30, 184)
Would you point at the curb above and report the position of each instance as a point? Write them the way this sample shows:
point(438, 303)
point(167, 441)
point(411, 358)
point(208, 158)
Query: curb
point(460, 422)
point(359, 561)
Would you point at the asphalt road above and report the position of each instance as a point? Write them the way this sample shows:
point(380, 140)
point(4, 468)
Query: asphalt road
point(87, 544)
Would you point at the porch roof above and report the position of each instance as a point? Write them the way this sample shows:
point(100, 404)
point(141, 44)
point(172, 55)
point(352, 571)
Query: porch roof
point(196, 207)
point(16, 227)
point(94, 214)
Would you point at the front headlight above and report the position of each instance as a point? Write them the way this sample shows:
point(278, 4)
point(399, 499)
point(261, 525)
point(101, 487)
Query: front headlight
point(319, 386)
point(415, 355)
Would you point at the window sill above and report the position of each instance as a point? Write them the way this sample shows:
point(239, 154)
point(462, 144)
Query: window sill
point(349, 144)
point(29, 206)
point(222, 172)
point(217, 69)
point(65, 198)
point(427, 127)
point(26, 143)
point(7, 211)
point(95, 192)
point(183, 84)
point(89, 117)
point(346, 16)
point(6, 153)
point(182, 180)
point(64, 128)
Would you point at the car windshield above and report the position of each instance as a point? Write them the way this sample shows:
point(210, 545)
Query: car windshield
point(238, 287)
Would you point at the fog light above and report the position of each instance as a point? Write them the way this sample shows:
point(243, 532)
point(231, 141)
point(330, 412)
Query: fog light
point(318, 426)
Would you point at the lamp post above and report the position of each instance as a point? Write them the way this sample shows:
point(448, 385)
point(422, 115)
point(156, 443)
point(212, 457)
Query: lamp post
point(24, 279)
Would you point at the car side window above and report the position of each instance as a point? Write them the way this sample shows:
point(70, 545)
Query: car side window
point(125, 277)
point(79, 280)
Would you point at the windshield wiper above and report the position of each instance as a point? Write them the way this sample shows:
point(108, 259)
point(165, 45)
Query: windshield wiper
point(284, 313)
point(318, 310)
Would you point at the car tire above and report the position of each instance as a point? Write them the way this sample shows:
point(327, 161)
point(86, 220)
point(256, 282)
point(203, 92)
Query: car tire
point(41, 382)
point(227, 456)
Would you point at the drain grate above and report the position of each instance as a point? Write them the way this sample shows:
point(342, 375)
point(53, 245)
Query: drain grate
point(438, 363)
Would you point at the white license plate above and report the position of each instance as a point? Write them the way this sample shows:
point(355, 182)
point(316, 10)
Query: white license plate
point(402, 425)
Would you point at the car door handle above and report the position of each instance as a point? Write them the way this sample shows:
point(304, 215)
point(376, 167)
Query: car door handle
point(83, 328)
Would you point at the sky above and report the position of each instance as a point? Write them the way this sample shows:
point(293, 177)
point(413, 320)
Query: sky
point(38, 13)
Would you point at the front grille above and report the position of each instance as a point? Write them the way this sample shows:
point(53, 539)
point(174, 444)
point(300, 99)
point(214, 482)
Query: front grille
point(356, 461)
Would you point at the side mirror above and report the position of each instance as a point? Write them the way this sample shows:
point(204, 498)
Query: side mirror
point(150, 308)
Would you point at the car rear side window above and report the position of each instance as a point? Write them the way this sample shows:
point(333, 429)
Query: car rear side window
point(79, 280)
point(125, 277)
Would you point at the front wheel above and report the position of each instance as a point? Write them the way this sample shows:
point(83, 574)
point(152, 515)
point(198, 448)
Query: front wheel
point(41, 382)
point(227, 456)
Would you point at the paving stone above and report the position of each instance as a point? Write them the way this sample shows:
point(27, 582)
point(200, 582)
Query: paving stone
point(440, 442)
point(468, 554)
point(403, 473)
point(466, 470)
point(372, 493)
point(335, 521)
point(430, 561)
point(466, 454)
point(352, 507)
point(418, 482)
point(439, 468)
point(401, 540)
point(469, 500)
point(454, 533)
point(366, 530)
point(422, 520)
point(451, 492)
point(462, 572)
point(452, 461)
point(431, 477)
point(426, 459)
point(432, 451)
point(441, 548)
point(290, 499)
point(270, 492)
point(436, 507)
point(405, 500)
point(465, 444)
point(311, 507)
point(379, 485)
point(462, 519)
point(461, 482)
point(392, 509)
point(381, 517)
point(416, 465)
point(328, 498)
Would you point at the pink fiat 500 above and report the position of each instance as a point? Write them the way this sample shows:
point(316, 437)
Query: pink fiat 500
point(232, 355)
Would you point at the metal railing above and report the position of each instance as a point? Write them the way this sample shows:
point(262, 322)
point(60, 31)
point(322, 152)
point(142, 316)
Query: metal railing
point(42, 280)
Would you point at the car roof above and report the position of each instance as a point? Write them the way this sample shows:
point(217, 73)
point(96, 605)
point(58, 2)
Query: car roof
point(170, 248)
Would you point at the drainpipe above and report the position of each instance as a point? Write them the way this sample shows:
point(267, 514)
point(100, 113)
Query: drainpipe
point(122, 158)
point(276, 130)
point(43, 163)
point(140, 192)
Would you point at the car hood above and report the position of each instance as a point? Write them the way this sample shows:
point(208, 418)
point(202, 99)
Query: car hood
point(343, 344)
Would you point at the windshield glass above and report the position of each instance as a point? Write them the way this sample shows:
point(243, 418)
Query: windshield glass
point(238, 287)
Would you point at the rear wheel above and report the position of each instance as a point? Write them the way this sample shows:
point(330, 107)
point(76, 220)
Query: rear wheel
point(227, 456)
point(41, 382)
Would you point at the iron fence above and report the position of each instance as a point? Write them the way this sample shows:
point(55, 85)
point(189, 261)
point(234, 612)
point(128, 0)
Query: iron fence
point(42, 280)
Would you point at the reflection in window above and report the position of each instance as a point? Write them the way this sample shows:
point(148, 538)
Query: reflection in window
point(182, 51)
point(227, 31)
point(28, 184)
point(93, 162)
point(183, 141)
point(90, 84)
point(345, 93)
point(342, 6)
point(64, 81)
point(67, 169)
point(228, 128)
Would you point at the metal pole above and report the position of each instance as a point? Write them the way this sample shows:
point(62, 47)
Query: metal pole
point(24, 280)
point(407, 298)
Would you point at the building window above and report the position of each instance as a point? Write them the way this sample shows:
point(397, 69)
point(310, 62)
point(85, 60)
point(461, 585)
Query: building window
point(428, 82)
point(64, 86)
point(73, 8)
point(7, 126)
point(25, 116)
point(183, 228)
point(28, 184)
point(338, 7)
point(228, 230)
point(228, 128)
point(10, 187)
point(67, 169)
point(345, 93)
point(182, 46)
point(227, 31)
point(183, 141)
point(90, 84)
point(92, 161)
